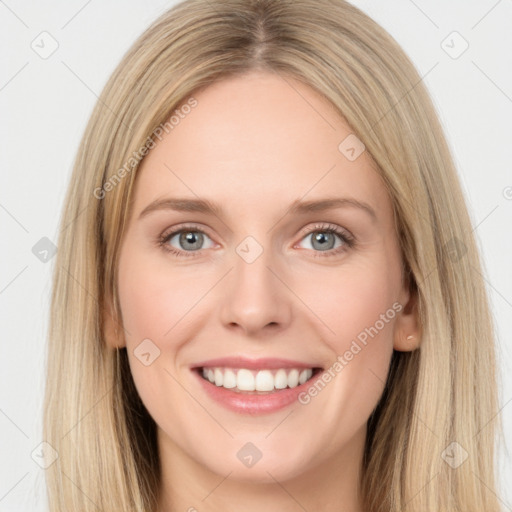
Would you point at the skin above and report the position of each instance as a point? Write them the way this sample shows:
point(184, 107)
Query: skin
point(253, 145)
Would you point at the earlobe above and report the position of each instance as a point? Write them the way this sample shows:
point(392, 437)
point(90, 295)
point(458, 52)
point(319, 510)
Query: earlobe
point(407, 334)
point(112, 329)
point(404, 343)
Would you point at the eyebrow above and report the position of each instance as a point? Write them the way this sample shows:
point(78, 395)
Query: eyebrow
point(297, 207)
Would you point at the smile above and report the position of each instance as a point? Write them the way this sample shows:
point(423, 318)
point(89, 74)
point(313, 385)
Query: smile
point(254, 386)
point(243, 380)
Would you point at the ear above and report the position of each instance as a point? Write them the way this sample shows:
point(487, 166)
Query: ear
point(112, 326)
point(407, 333)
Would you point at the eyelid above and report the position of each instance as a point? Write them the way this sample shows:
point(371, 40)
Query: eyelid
point(184, 227)
point(348, 240)
point(163, 239)
point(325, 226)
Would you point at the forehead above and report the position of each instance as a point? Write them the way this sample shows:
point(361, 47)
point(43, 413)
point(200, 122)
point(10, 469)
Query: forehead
point(258, 139)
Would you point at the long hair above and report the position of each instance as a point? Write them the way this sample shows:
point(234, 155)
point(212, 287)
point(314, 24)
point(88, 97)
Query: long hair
point(439, 400)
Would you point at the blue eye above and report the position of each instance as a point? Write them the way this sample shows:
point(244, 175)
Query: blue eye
point(323, 240)
point(326, 240)
point(190, 240)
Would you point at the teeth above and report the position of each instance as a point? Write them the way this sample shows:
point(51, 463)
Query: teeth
point(264, 381)
point(281, 379)
point(293, 379)
point(251, 380)
point(245, 380)
point(229, 379)
point(303, 377)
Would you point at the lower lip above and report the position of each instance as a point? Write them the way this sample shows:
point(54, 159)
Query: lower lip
point(246, 403)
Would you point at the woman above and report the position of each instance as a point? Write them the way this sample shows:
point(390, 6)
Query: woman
point(270, 296)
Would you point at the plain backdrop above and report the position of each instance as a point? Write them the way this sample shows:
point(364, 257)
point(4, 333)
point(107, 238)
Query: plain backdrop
point(46, 101)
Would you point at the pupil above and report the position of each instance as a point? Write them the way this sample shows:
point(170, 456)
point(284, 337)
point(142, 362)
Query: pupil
point(322, 239)
point(192, 238)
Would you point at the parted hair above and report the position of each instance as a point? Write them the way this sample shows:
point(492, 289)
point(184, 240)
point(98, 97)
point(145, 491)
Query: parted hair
point(442, 393)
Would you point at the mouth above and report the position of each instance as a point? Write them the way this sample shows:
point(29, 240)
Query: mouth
point(257, 381)
point(254, 386)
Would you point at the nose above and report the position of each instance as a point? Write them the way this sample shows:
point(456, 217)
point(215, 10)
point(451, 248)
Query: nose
point(255, 300)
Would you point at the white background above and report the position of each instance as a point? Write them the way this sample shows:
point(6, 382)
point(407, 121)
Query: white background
point(45, 104)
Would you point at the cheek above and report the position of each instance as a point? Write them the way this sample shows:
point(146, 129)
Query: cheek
point(358, 306)
point(153, 300)
point(156, 306)
point(352, 300)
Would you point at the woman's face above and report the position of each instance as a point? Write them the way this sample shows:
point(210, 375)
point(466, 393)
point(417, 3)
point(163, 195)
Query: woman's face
point(261, 248)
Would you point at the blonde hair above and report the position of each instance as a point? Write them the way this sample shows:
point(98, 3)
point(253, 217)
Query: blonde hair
point(442, 393)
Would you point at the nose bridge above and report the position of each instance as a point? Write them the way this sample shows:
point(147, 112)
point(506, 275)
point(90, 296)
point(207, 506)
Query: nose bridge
point(255, 297)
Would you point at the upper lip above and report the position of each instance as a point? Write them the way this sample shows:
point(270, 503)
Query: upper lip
point(253, 364)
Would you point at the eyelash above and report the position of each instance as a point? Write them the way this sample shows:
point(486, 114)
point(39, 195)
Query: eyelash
point(347, 239)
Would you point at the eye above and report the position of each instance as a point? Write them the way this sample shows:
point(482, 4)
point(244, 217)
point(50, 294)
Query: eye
point(185, 241)
point(325, 240)
point(328, 239)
